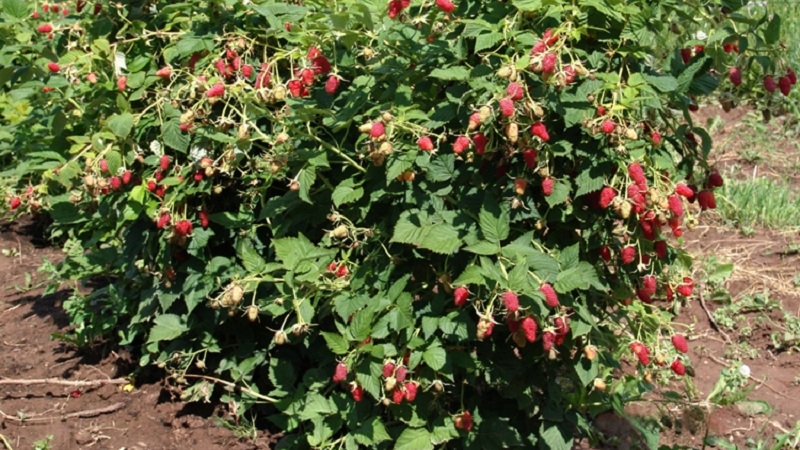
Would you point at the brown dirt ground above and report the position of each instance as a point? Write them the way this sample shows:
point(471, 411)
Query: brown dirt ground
point(147, 418)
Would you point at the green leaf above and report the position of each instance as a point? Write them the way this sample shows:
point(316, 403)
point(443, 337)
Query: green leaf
point(560, 193)
point(662, 83)
point(451, 73)
point(494, 221)
point(496, 433)
point(291, 251)
point(586, 370)
point(471, 275)
point(167, 327)
point(16, 8)
point(773, 32)
point(414, 439)
point(336, 342)
point(253, 262)
point(483, 248)
point(553, 437)
point(417, 228)
point(487, 40)
point(371, 433)
point(443, 168)
point(346, 192)
point(173, 137)
point(435, 357)
point(582, 276)
point(121, 124)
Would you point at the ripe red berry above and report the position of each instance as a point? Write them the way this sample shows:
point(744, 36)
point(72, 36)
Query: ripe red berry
point(607, 195)
point(675, 205)
point(378, 130)
point(769, 84)
point(538, 48)
point(247, 70)
point(480, 141)
point(398, 394)
point(548, 340)
point(164, 72)
point(715, 179)
point(539, 130)
point(511, 301)
point(122, 83)
point(530, 156)
point(678, 367)
point(686, 55)
point(15, 202)
point(461, 144)
point(661, 249)
point(608, 127)
point(217, 90)
point(35, 15)
point(685, 289)
point(164, 162)
point(445, 5)
point(53, 67)
point(706, 199)
point(683, 190)
point(425, 143)
point(791, 75)
point(395, 8)
point(388, 369)
point(44, 28)
point(460, 296)
point(463, 421)
point(506, 107)
point(605, 253)
point(547, 186)
point(530, 328)
point(680, 344)
point(342, 271)
point(628, 254)
point(735, 75)
point(785, 85)
point(163, 221)
point(104, 165)
point(340, 372)
point(411, 391)
point(115, 182)
point(515, 91)
point(202, 216)
point(183, 227)
point(550, 296)
point(549, 63)
point(400, 374)
point(562, 325)
point(332, 84)
point(357, 392)
point(655, 136)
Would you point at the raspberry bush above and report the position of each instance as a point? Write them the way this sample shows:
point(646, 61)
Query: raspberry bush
point(380, 224)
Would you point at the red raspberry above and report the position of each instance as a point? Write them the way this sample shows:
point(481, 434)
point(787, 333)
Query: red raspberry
point(675, 224)
point(342, 271)
point(388, 369)
point(680, 344)
point(198, 176)
point(445, 5)
point(547, 186)
point(462, 143)
point(425, 143)
point(474, 121)
point(296, 88)
point(735, 75)
point(126, 177)
point(569, 74)
point(715, 179)
point(357, 392)
point(463, 421)
point(332, 84)
point(217, 90)
point(642, 294)
point(515, 91)
point(377, 130)
point(549, 38)
point(151, 185)
point(320, 64)
point(400, 374)
point(340, 372)
point(675, 205)
point(202, 216)
point(247, 70)
point(164, 72)
point(628, 254)
point(607, 195)
point(661, 249)
point(649, 284)
point(460, 296)
point(683, 190)
point(53, 67)
point(164, 162)
point(489, 327)
point(530, 156)
point(507, 107)
point(549, 63)
point(791, 75)
point(548, 340)
point(601, 111)
point(45, 28)
point(608, 127)
point(538, 48)
point(411, 391)
point(686, 55)
point(398, 394)
point(395, 8)
point(511, 301)
point(605, 253)
point(263, 77)
point(122, 83)
point(529, 328)
point(307, 77)
point(685, 289)
point(550, 296)
point(728, 47)
point(480, 141)
point(562, 325)
point(163, 221)
point(183, 227)
point(655, 136)
point(636, 173)
point(35, 15)
point(539, 130)
point(15, 202)
point(769, 84)
point(706, 199)
point(116, 182)
point(104, 165)
point(55, 8)
point(785, 85)
point(678, 367)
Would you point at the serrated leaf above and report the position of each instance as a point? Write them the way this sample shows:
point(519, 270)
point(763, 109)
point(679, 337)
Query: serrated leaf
point(173, 137)
point(291, 251)
point(435, 357)
point(773, 32)
point(582, 276)
point(494, 221)
point(252, 261)
point(487, 40)
point(443, 168)
point(414, 439)
point(167, 327)
point(471, 275)
point(451, 73)
point(16, 8)
point(586, 370)
point(553, 437)
point(346, 192)
point(121, 124)
point(483, 248)
point(560, 193)
point(662, 83)
point(415, 227)
point(336, 342)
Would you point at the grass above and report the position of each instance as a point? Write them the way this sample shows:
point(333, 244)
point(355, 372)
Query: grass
point(759, 202)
